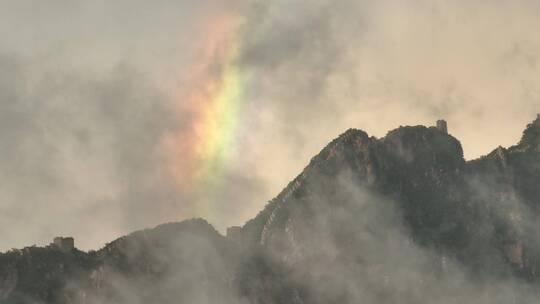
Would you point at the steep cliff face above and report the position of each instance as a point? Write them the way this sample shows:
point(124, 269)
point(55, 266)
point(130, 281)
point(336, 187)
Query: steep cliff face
point(507, 181)
point(418, 167)
point(403, 218)
point(361, 197)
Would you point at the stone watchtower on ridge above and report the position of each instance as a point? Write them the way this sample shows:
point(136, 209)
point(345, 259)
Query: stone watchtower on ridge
point(65, 244)
point(442, 126)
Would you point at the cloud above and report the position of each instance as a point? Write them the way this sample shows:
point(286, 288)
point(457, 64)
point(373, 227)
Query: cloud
point(86, 94)
point(327, 66)
point(76, 148)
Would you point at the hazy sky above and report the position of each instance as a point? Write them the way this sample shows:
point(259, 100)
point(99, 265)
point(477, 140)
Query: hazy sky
point(91, 90)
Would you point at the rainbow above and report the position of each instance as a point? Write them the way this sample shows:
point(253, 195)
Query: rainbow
point(211, 96)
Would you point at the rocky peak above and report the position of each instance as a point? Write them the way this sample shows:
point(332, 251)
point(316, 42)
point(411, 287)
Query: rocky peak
point(349, 143)
point(531, 136)
point(418, 165)
point(420, 145)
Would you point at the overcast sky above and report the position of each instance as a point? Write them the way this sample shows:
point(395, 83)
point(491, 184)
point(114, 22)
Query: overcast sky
point(87, 94)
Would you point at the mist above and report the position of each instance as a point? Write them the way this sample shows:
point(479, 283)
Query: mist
point(88, 93)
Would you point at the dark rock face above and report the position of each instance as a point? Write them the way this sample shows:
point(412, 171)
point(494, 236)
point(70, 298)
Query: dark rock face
point(39, 275)
point(420, 168)
point(172, 263)
point(400, 219)
point(412, 184)
point(510, 189)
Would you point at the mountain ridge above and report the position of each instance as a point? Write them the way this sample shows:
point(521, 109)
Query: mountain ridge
point(357, 201)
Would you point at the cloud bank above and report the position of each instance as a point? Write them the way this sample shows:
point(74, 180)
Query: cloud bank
point(88, 91)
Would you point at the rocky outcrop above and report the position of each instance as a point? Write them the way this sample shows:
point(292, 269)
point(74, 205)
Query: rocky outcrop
point(418, 166)
point(470, 212)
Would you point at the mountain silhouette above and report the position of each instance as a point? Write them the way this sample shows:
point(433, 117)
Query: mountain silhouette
point(399, 219)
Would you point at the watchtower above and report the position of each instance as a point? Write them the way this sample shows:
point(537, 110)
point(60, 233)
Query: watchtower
point(65, 244)
point(442, 126)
